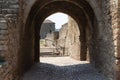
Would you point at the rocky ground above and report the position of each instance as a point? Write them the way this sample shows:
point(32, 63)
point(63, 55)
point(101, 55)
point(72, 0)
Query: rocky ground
point(62, 68)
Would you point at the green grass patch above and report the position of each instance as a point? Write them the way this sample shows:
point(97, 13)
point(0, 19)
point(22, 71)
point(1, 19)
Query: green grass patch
point(42, 42)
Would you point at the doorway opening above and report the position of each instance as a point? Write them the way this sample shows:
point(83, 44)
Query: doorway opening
point(90, 36)
point(60, 41)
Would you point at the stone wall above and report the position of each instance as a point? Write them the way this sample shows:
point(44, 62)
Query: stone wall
point(72, 39)
point(115, 21)
point(8, 38)
point(103, 48)
point(46, 27)
point(105, 35)
point(69, 39)
point(49, 40)
point(62, 40)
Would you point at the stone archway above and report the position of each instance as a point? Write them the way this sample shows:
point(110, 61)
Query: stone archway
point(83, 13)
point(62, 10)
point(99, 17)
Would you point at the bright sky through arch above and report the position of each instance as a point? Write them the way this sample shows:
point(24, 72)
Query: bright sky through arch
point(59, 19)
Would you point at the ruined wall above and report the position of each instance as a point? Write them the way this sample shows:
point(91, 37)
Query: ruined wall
point(49, 40)
point(62, 40)
point(62, 35)
point(115, 13)
point(72, 39)
point(102, 45)
point(9, 38)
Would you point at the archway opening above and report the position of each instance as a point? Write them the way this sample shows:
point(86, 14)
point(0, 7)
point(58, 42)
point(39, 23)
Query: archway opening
point(82, 13)
point(60, 40)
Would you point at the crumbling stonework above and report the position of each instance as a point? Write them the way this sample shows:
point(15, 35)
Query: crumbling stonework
point(51, 39)
point(61, 41)
point(72, 39)
point(9, 38)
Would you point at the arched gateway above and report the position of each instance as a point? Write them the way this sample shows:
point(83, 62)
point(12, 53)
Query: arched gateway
point(97, 18)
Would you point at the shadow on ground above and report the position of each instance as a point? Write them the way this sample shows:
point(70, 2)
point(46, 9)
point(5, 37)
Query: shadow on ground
point(44, 71)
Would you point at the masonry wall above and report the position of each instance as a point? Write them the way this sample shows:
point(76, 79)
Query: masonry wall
point(8, 38)
point(46, 28)
point(115, 13)
point(72, 39)
point(61, 41)
point(101, 47)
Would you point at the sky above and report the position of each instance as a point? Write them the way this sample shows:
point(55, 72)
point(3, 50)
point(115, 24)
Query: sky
point(59, 19)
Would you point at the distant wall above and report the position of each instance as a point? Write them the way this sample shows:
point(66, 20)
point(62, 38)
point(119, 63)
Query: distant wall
point(46, 28)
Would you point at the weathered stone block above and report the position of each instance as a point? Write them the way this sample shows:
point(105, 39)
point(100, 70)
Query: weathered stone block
point(3, 25)
point(3, 47)
point(4, 42)
point(9, 11)
point(12, 1)
point(3, 32)
point(3, 37)
point(117, 65)
point(14, 6)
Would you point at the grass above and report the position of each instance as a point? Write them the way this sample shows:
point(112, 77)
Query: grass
point(42, 42)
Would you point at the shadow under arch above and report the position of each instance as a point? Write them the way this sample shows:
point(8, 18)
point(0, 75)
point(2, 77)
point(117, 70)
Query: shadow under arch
point(79, 10)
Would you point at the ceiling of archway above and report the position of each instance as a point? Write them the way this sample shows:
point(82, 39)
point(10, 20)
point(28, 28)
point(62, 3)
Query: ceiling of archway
point(78, 9)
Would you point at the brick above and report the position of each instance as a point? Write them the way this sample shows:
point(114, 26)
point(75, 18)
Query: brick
point(3, 42)
point(9, 11)
point(3, 47)
point(3, 37)
point(14, 6)
point(3, 25)
point(3, 32)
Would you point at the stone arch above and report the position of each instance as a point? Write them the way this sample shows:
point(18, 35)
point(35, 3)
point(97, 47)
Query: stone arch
point(62, 9)
point(40, 9)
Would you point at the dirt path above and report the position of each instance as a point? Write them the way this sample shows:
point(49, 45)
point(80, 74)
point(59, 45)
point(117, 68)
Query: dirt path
point(62, 68)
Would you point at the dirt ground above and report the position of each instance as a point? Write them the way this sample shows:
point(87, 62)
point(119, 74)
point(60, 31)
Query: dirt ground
point(62, 68)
